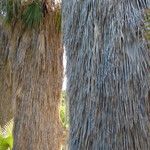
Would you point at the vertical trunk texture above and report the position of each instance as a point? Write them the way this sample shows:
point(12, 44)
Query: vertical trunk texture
point(108, 74)
point(36, 58)
point(6, 110)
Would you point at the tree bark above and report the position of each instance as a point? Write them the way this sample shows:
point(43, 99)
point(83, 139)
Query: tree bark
point(108, 74)
point(36, 58)
point(6, 110)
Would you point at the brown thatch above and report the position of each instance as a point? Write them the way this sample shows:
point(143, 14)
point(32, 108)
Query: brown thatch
point(6, 110)
point(108, 74)
point(35, 57)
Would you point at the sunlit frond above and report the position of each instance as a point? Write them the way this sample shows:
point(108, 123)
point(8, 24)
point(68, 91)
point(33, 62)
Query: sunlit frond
point(6, 137)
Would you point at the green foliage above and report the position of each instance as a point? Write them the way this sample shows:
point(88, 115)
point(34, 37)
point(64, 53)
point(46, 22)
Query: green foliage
point(63, 110)
point(9, 11)
point(6, 137)
point(32, 15)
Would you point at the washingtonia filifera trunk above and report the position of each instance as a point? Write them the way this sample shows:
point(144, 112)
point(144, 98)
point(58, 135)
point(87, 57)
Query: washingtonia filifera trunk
point(36, 60)
point(6, 110)
point(108, 73)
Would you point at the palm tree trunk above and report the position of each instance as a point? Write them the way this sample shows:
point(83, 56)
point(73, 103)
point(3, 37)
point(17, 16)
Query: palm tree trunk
point(108, 73)
point(36, 58)
point(6, 110)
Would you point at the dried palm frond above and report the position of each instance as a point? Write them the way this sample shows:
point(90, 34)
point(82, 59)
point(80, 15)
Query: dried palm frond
point(147, 25)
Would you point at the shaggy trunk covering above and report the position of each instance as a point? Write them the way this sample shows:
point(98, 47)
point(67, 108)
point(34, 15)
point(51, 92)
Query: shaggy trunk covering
point(6, 109)
point(36, 60)
point(108, 71)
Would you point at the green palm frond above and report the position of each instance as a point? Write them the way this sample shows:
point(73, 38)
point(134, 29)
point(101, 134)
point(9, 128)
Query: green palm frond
point(3, 144)
point(6, 136)
point(32, 15)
